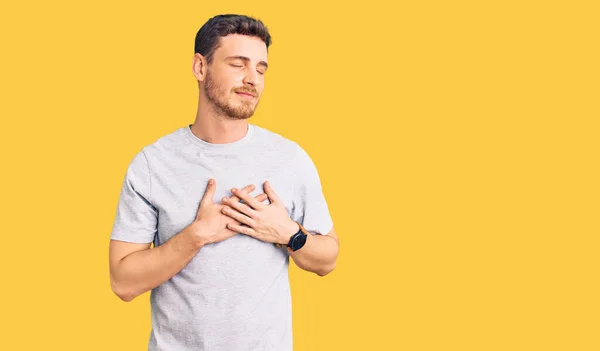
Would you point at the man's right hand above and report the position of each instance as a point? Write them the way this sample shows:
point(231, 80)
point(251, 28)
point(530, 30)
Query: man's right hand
point(210, 225)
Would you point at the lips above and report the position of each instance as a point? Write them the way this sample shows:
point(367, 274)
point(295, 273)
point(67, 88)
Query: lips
point(245, 93)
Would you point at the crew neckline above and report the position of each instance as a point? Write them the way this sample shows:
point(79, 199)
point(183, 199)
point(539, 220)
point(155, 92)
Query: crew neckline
point(211, 146)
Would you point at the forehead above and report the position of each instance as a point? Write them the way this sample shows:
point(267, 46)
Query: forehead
point(242, 45)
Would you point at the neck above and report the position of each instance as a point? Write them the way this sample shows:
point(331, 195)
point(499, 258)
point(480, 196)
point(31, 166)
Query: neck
point(216, 128)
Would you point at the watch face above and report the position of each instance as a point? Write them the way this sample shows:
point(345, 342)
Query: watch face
point(298, 242)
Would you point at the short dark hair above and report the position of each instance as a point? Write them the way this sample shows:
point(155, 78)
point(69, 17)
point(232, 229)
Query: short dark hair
point(207, 38)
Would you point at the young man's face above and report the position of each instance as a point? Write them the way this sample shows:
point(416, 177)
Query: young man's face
point(235, 78)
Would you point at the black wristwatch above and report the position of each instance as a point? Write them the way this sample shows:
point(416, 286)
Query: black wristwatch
point(298, 240)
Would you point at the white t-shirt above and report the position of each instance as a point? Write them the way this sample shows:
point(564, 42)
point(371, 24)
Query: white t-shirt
point(235, 294)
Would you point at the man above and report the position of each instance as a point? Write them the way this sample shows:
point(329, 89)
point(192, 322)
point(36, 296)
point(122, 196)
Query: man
point(218, 271)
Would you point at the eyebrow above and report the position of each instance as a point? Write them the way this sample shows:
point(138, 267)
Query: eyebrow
point(246, 59)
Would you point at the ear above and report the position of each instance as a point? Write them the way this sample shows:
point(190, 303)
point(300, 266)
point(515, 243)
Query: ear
point(199, 67)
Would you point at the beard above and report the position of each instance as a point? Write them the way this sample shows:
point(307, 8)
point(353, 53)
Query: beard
point(217, 95)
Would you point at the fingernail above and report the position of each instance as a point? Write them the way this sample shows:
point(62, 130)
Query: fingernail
point(233, 190)
point(224, 199)
point(211, 182)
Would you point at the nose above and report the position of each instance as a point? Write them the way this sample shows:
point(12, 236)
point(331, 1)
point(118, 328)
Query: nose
point(251, 77)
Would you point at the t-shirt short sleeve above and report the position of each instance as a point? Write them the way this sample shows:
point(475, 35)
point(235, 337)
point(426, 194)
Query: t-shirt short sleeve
point(310, 206)
point(136, 218)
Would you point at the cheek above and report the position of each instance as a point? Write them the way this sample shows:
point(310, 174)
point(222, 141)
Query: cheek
point(228, 80)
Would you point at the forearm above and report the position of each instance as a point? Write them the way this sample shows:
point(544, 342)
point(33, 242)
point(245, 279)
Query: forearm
point(144, 270)
point(318, 255)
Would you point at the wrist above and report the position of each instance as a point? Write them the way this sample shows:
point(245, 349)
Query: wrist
point(298, 240)
point(293, 228)
point(193, 231)
point(289, 230)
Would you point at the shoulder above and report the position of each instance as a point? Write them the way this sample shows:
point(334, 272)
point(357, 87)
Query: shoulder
point(144, 158)
point(270, 140)
point(171, 141)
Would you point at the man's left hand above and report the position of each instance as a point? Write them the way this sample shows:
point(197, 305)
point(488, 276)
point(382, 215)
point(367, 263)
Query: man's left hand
point(270, 223)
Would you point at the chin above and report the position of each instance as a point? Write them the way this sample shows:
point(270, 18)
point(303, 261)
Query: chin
point(242, 116)
point(244, 113)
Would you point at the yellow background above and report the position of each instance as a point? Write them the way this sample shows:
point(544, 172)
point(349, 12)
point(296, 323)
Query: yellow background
point(457, 143)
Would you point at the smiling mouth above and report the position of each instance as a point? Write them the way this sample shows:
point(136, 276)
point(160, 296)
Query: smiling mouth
point(246, 95)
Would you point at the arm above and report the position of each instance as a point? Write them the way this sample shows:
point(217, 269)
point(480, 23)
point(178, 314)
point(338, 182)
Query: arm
point(319, 253)
point(271, 223)
point(137, 268)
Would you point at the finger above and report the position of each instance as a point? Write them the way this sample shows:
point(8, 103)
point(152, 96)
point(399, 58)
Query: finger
point(240, 207)
point(240, 217)
point(261, 198)
point(248, 189)
point(241, 229)
point(270, 192)
point(247, 199)
point(209, 193)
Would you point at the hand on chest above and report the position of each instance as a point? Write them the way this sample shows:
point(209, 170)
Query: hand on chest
point(179, 203)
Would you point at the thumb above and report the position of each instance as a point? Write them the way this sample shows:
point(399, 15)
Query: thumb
point(207, 199)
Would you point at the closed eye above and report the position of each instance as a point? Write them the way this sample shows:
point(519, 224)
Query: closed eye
point(239, 66)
